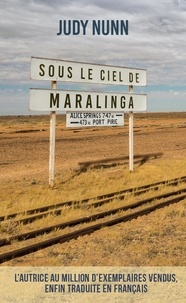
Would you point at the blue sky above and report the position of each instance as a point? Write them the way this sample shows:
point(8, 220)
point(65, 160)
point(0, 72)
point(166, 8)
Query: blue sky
point(156, 42)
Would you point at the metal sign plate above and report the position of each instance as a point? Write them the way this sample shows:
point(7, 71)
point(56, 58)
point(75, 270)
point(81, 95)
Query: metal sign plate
point(85, 119)
point(59, 100)
point(60, 70)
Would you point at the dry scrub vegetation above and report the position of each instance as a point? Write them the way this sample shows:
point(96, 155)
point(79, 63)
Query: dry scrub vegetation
point(154, 240)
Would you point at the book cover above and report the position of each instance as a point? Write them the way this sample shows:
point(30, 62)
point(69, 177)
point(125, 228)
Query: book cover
point(92, 121)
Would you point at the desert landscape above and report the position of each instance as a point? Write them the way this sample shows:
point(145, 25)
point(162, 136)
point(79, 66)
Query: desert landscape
point(89, 162)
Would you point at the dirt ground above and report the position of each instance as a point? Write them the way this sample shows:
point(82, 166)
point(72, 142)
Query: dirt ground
point(24, 147)
point(24, 155)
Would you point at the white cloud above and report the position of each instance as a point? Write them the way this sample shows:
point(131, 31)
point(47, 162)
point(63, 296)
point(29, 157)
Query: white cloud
point(156, 39)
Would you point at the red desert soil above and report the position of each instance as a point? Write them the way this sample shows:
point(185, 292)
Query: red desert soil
point(24, 145)
point(24, 151)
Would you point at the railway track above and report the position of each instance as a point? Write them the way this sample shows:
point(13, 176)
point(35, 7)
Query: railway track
point(56, 209)
point(158, 201)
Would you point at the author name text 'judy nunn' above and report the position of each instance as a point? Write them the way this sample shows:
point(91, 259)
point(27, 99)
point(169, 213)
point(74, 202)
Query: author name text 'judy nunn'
point(93, 27)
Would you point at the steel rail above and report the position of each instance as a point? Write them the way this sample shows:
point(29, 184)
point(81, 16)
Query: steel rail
point(84, 231)
point(32, 234)
point(136, 190)
point(98, 203)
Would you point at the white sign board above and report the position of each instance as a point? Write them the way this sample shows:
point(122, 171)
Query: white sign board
point(80, 119)
point(59, 100)
point(60, 70)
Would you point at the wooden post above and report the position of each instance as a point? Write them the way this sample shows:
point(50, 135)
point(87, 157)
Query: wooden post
point(131, 137)
point(52, 142)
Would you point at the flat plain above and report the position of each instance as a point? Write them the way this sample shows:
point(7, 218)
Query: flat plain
point(156, 239)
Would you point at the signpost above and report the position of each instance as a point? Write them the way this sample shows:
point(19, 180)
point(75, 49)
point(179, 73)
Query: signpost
point(52, 142)
point(84, 103)
point(80, 119)
point(131, 135)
